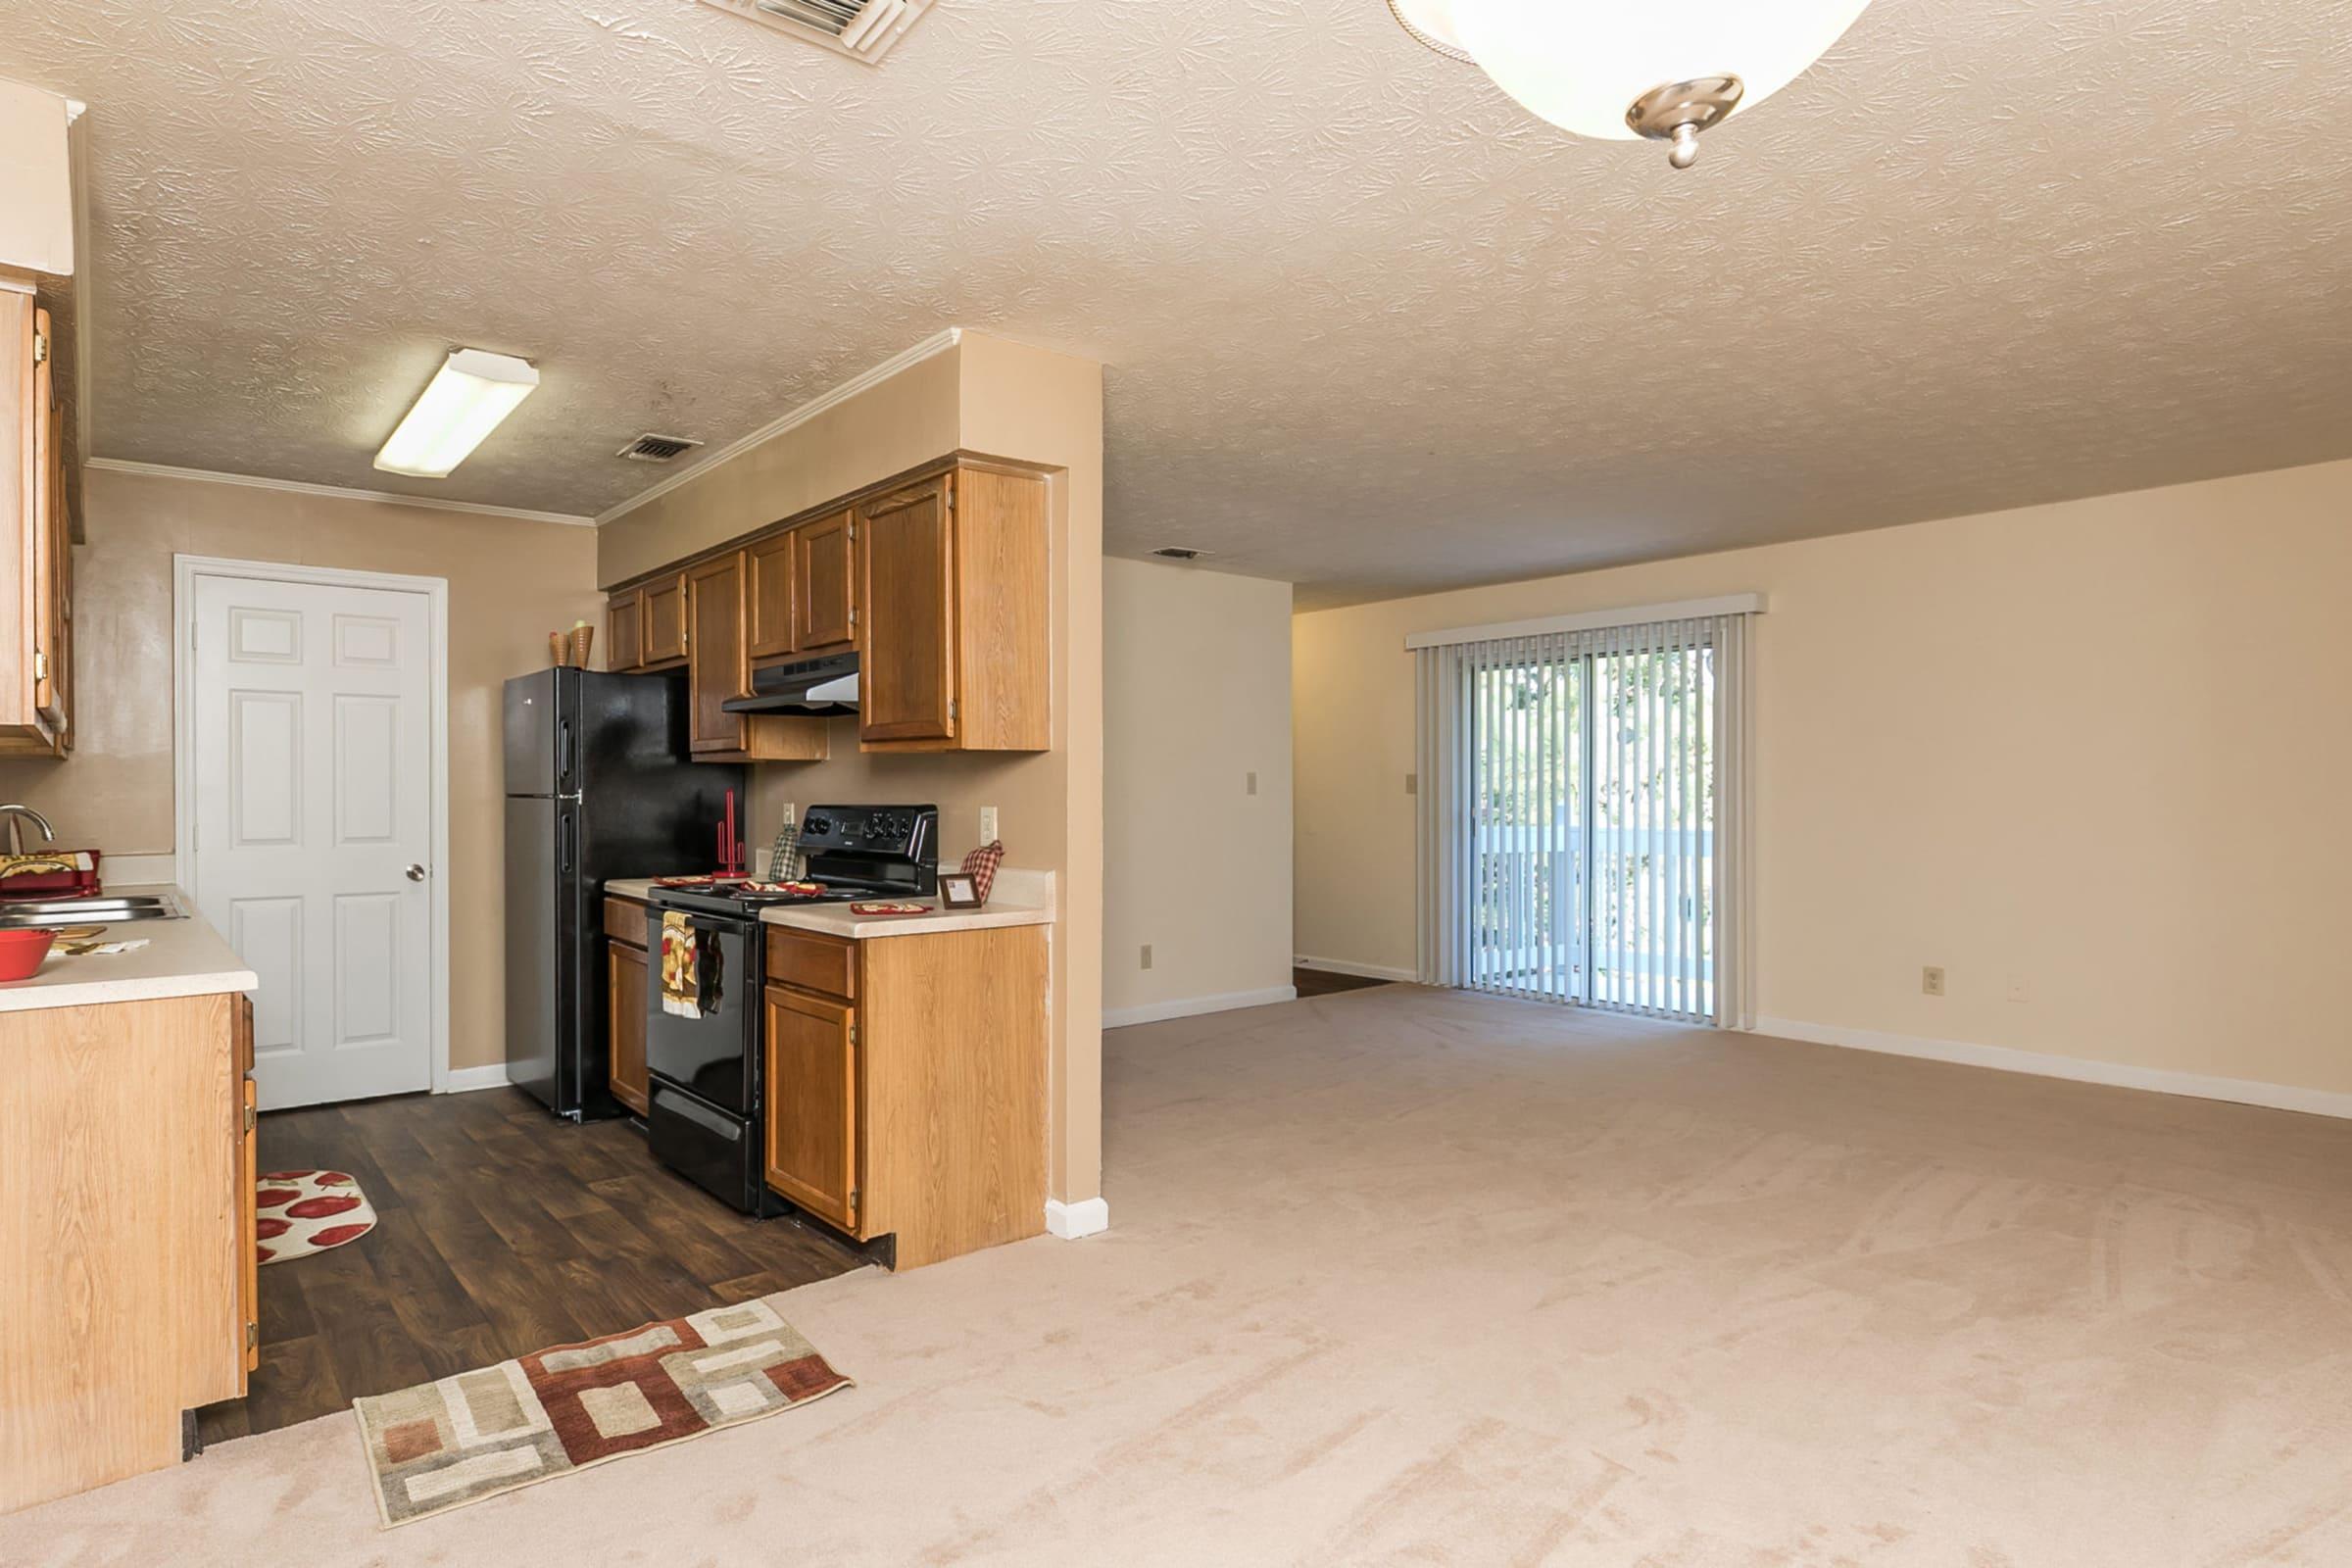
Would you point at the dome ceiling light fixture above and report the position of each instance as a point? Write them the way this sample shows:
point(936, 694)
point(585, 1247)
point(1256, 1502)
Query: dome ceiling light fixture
point(1617, 71)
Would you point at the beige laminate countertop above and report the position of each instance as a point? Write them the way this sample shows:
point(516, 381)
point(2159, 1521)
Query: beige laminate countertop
point(1014, 903)
point(181, 958)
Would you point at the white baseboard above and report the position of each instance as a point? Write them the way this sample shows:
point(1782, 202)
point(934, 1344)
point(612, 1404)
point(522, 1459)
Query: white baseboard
point(2080, 1070)
point(1193, 1006)
point(466, 1080)
point(1366, 971)
point(1077, 1221)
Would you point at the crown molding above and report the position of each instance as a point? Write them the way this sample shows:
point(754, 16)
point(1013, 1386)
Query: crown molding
point(936, 343)
point(254, 481)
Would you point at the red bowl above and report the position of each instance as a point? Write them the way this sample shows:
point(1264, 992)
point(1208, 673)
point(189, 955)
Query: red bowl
point(22, 953)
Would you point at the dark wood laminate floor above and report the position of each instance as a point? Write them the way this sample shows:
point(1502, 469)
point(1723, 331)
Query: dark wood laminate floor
point(500, 1231)
point(1323, 983)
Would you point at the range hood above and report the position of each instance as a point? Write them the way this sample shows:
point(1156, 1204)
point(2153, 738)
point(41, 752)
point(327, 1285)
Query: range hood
point(818, 686)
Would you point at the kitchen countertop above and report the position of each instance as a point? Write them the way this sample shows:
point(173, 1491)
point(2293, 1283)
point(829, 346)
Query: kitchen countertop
point(181, 958)
point(1021, 899)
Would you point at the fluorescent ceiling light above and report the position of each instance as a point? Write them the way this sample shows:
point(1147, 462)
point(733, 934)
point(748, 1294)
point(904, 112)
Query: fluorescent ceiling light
point(467, 399)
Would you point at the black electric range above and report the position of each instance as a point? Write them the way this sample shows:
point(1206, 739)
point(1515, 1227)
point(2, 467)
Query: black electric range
point(706, 1103)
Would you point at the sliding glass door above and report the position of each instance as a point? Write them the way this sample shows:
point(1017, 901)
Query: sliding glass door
point(1577, 780)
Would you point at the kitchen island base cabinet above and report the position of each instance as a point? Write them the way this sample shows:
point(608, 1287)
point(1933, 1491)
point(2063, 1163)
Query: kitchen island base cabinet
point(918, 1113)
point(126, 1225)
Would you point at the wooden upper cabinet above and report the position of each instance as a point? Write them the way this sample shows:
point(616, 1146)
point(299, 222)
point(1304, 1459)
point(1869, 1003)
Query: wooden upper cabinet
point(48, 543)
point(662, 635)
point(35, 540)
point(959, 624)
point(907, 680)
point(625, 631)
point(719, 666)
point(826, 588)
point(769, 562)
point(811, 1133)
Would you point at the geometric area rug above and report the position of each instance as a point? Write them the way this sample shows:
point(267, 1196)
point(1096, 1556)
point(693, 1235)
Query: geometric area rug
point(440, 1445)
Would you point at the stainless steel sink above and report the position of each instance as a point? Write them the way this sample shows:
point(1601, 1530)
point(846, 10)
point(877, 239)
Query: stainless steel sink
point(102, 910)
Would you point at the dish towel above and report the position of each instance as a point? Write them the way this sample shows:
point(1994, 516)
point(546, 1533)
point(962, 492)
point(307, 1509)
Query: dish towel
point(71, 873)
point(681, 970)
point(981, 867)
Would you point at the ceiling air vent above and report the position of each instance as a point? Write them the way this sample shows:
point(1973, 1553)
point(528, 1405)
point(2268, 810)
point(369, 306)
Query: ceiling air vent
point(863, 29)
point(657, 448)
point(1178, 553)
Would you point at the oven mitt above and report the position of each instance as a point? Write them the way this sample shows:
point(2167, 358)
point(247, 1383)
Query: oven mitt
point(681, 974)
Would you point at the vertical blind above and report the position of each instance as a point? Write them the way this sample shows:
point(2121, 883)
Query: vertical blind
point(1582, 807)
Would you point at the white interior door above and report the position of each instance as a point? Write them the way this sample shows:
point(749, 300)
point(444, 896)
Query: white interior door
point(313, 815)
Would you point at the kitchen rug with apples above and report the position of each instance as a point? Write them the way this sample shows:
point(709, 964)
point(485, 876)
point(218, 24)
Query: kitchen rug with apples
point(298, 1212)
point(441, 1445)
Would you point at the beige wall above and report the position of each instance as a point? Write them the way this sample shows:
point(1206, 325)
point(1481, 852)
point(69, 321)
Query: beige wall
point(890, 427)
point(1000, 399)
point(510, 583)
point(1197, 676)
point(2092, 755)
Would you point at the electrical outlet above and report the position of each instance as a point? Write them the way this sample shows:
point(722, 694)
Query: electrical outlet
point(1250, 786)
point(988, 825)
point(1931, 980)
point(1146, 955)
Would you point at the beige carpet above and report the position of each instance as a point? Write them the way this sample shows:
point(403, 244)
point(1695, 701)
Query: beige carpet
point(1404, 1277)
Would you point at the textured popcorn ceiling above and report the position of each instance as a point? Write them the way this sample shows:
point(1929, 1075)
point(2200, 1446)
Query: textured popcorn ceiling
point(1369, 326)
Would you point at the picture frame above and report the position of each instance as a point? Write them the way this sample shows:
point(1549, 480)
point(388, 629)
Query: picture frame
point(957, 890)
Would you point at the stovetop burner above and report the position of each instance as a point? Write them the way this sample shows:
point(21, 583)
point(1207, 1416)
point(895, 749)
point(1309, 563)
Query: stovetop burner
point(856, 854)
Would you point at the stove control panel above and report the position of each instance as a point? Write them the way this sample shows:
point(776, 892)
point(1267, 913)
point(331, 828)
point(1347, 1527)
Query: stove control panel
point(897, 832)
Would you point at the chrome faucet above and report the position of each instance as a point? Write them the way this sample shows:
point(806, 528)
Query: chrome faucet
point(15, 816)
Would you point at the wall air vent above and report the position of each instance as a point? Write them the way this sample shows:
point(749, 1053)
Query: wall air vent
point(863, 29)
point(650, 447)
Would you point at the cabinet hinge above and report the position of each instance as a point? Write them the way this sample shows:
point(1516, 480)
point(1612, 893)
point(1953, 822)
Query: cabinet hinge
point(853, 530)
point(41, 347)
point(853, 1198)
point(852, 1034)
point(249, 1118)
point(253, 1334)
point(40, 663)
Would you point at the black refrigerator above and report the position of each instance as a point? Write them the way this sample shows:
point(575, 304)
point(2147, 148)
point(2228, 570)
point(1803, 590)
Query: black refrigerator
point(597, 787)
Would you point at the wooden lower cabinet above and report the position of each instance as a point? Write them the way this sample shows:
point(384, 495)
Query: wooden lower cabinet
point(115, 1330)
point(625, 983)
point(918, 1112)
point(248, 1131)
point(812, 1104)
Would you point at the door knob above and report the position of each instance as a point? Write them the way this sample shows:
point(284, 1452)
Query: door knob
point(415, 873)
